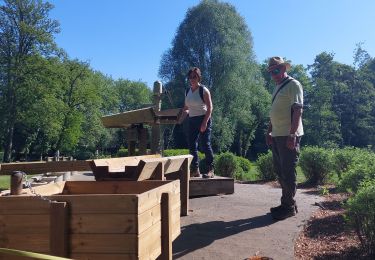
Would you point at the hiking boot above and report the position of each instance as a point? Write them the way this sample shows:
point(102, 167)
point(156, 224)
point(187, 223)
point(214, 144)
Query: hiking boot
point(210, 173)
point(274, 209)
point(195, 173)
point(283, 213)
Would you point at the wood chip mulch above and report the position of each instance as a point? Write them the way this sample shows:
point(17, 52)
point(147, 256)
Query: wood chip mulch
point(327, 236)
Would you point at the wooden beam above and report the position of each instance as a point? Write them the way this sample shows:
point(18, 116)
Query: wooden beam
point(59, 229)
point(43, 167)
point(166, 228)
point(125, 119)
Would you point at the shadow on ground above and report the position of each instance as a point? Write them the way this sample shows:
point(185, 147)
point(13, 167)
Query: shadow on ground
point(199, 235)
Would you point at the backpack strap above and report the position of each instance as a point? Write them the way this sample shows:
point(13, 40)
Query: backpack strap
point(201, 90)
point(283, 85)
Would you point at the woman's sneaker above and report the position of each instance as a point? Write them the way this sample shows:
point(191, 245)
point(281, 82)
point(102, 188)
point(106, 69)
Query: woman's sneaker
point(195, 173)
point(210, 173)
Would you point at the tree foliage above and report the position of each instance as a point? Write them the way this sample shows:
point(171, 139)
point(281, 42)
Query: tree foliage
point(215, 38)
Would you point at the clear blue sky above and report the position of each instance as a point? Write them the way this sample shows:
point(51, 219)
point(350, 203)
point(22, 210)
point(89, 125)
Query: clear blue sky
point(126, 38)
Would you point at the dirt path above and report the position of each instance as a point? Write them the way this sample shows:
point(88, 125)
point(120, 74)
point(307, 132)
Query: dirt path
point(238, 226)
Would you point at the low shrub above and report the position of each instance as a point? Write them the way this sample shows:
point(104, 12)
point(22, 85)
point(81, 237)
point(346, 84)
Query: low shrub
point(342, 159)
point(361, 215)
point(229, 165)
point(266, 170)
point(226, 165)
point(362, 168)
point(316, 163)
point(122, 152)
point(174, 152)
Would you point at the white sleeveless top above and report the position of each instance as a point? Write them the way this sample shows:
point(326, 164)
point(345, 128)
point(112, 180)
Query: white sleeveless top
point(195, 103)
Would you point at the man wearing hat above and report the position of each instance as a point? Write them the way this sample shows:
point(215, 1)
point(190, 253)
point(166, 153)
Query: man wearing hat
point(284, 134)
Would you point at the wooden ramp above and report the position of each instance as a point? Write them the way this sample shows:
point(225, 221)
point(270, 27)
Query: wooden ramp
point(209, 187)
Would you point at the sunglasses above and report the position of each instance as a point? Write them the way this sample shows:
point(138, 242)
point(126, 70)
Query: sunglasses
point(275, 71)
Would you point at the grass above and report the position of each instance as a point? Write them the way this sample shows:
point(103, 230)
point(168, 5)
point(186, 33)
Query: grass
point(4, 182)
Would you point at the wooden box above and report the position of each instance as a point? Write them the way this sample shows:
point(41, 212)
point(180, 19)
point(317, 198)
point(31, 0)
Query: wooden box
point(93, 220)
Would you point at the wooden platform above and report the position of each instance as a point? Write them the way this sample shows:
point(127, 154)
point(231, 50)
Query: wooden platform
point(210, 187)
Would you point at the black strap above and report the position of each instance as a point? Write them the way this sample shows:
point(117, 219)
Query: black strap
point(200, 92)
point(283, 85)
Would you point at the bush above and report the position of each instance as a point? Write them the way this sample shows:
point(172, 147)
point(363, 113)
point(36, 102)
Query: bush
point(1, 156)
point(362, 168)
point(342, 159)
point(361, 215)
point(265, 167)
point(226, 165)
point(174, 152)
point(316, 163)
point(122, 152)
point(229, 165)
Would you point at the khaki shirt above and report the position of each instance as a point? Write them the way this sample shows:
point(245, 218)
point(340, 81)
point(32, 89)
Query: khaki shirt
point(289, 96)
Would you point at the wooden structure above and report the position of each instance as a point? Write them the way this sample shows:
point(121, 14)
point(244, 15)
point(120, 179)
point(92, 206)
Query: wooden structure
point(140, 168)
point(135, 120)
point(94, 220)
point(132, 168)
point(210, 187)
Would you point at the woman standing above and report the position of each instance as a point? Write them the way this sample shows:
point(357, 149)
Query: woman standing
point(198, 105)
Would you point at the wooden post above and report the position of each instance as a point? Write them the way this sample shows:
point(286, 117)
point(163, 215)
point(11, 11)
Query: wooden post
point(155, 129)
point(16, 183)
point(59, 229)
point(142, 134)
point(185, 177)
point(166, 227)
point(131, 137)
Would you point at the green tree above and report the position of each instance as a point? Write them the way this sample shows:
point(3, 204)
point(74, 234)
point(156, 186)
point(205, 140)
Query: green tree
point(25, 32)
point(132, 95)
point(215, 38)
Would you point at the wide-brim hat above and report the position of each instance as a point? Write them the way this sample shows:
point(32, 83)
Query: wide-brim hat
point(276, 61)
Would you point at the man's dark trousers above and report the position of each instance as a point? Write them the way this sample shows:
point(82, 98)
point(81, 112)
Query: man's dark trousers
point(285, 162)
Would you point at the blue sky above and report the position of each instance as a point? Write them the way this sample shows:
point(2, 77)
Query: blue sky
point(126, 38)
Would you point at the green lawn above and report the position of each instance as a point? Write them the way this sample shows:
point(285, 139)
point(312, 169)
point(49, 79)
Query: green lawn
point(4, 182)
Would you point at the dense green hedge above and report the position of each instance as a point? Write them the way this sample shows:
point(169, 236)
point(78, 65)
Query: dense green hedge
point(229, 165)
point(361, 215)
point(265, 168)
point(316, 164)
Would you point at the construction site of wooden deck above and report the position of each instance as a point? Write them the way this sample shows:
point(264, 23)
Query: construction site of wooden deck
point(131, 211)
point(94, 220)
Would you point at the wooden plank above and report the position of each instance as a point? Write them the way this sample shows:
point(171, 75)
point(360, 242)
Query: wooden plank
point(47, 190)
point(104, 243)
point(184, 186)
point(59, 229)
point(103, 223)
point(149, 218)
point(149, 199)
point(175, 162)
point(107, 256)
point(149, 244)
point(213, 186)
point(146, 168)
point(99, 203)
point(43, 167)
point(38, 243)
point(111, 187)
point(125, 119)
point(21, 224)
point(166, 227)
point(23, 205)
point(173, 112)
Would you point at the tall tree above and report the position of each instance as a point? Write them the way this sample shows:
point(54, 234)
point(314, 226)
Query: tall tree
point(215, 38)
point(25, 31)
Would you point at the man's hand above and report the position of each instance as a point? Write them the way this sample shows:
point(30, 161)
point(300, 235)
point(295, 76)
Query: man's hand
point(268, 139)
point(291, 142)
point(203, 126)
